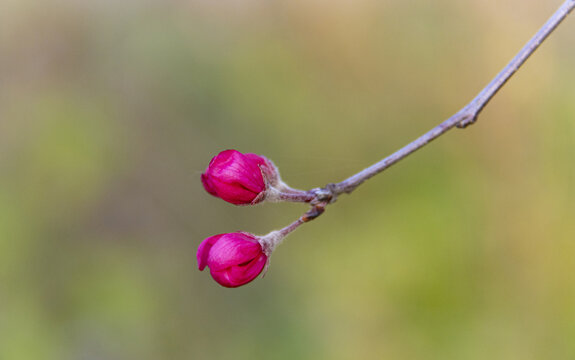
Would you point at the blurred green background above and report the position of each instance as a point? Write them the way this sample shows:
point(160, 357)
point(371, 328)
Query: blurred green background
point(110, 110)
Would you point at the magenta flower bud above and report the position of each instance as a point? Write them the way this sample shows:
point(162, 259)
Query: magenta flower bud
point(240, 179)
point(234, 259)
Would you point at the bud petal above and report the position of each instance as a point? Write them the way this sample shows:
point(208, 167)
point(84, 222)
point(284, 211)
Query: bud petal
point(240, 179)
point(234, 259)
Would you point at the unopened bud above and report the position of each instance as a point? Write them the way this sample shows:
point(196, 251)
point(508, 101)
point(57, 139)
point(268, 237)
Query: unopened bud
point(241, 179)
point(234, 259)
point(237, 258)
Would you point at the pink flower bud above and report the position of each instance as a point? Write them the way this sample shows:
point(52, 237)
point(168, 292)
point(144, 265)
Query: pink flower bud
point(240, 179)
point(234, 259)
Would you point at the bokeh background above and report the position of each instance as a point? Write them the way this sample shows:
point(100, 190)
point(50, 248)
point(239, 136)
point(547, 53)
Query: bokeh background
point(110, 111)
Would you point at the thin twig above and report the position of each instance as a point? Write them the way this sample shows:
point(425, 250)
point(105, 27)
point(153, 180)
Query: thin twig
point(319, 198)
point(464, 117)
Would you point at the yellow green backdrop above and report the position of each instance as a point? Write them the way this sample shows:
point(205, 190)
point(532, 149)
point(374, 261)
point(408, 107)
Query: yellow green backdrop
point(110, 110)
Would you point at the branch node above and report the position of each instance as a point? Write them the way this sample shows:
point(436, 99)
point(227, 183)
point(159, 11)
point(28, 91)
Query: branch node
point(326, 195)
point(467, 120)
point(315, 211)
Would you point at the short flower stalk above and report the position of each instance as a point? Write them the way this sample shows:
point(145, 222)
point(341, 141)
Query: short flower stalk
point(270, 241)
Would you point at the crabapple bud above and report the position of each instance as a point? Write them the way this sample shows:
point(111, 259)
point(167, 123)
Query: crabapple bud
point(234, 259)
point(241, 179)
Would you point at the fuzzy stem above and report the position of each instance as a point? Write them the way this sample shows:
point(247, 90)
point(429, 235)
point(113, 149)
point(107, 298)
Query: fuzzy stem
point(302, 196)
point(280, 191)
point(270, 241)
point(291, 227)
